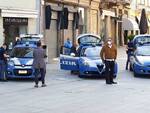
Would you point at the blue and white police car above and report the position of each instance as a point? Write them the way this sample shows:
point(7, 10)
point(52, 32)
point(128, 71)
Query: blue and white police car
point(20, 62)
point(31, 38)
point(87, 61)
point(140, 61)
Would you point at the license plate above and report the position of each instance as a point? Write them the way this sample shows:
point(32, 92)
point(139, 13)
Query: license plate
point(22, 71)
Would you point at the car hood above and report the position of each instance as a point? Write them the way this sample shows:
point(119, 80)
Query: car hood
point(144, 59)
point(22, 61)
point(93, 60)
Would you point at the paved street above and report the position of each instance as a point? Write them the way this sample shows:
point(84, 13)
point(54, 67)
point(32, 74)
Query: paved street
point(67, 93)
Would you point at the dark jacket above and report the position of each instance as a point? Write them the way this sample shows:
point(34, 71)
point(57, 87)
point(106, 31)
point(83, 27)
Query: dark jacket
point(38, 55)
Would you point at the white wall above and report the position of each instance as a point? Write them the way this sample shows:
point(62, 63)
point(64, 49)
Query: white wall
point(1, 31)
point(32, 26)
point(21, 4)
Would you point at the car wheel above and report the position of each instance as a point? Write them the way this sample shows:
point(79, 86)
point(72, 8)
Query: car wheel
point(135, 74)
point(74, 72)
point(81, 75)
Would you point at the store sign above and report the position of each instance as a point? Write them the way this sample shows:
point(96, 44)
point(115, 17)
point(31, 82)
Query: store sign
point(14, 21)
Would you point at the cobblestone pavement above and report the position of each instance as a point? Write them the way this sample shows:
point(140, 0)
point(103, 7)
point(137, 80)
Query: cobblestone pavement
point(66, 93)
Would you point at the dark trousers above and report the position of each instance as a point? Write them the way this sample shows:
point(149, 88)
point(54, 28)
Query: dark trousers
point(2, 70)
point(37, 72)
point(128, 60)
point(109, 71)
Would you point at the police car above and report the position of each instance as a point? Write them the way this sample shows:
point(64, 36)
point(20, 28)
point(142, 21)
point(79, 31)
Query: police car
point(30, 38)
point(140, 60)
point(87, 61)
point(21, 61)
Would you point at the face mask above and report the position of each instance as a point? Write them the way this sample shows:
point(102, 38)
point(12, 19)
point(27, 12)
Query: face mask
point(109, 42)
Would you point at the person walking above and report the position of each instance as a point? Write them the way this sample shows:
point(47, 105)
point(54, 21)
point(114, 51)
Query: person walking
point(3, 62)
point(129, 52)
point(108, 55)
point(39, 64)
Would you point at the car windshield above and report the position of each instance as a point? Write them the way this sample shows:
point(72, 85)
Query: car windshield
point(143, 40)
point(91, 51)
point(89, 39)
point(22, 52)
point(143, 51)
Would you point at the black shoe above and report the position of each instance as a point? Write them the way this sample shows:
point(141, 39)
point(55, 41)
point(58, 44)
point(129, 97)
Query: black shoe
point(114, 82)
point(43, 85)
point(36, 86)
point(108, 83)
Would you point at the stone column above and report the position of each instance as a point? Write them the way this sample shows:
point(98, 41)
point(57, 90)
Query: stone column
point(108, 27)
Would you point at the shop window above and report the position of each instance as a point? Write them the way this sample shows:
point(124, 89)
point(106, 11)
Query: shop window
point(132, 32)
point(22, 29)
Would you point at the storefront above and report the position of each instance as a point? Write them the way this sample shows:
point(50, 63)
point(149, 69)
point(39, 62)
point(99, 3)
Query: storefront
point(13, 27)
point(15, 22)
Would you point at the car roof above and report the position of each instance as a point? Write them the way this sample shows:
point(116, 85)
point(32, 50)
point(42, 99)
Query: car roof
point(144, 46)
point(87, 34)
point(141, 35)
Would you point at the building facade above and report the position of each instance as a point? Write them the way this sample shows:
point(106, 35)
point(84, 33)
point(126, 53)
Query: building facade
point(136, 8)
point(17, 17)
point(102, 17)
point(83, 17)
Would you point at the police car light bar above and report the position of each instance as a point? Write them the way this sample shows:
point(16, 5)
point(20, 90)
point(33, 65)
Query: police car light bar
point(31, 35)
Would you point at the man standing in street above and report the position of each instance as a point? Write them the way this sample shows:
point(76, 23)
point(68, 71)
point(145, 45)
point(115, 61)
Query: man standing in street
point(3, 62)
point(108, 55)
point(39, 64)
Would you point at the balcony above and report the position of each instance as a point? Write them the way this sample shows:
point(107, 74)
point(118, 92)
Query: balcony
point(124, 2)
point(117, 2)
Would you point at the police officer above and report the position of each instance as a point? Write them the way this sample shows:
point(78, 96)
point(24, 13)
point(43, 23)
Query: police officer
point(129, 52)
point(3, 62)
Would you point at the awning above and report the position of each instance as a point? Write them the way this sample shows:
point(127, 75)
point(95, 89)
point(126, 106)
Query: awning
point(129, 24)
point(19, 13)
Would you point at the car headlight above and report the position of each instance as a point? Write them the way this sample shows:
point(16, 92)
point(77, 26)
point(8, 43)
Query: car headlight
point(11, 63)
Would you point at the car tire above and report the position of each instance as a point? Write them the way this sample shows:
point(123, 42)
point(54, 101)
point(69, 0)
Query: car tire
point(81, 75)
point(72, 72)
point(135, 74)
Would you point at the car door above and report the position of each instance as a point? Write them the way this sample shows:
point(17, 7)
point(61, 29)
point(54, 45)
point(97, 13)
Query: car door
point(68, 61)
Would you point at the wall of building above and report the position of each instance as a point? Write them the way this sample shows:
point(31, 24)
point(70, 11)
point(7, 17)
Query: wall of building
point(32, 24)
point(20, 9)
point(21, 4)
point(1, 31)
